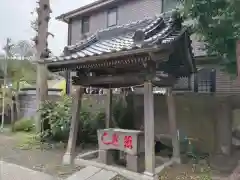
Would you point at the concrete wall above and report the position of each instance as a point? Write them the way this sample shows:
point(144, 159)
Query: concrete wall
point(28, 104)
point(196, 115)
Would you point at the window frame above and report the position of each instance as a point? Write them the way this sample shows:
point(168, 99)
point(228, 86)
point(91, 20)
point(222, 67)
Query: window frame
point(85, 20)
point(112, 10)
point(164, 5)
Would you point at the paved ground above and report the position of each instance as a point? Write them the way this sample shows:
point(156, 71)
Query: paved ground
point(93, 173)
point(10, 171)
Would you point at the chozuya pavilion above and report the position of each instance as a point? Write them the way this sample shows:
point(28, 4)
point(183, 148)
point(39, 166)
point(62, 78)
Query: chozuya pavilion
point(153, 52)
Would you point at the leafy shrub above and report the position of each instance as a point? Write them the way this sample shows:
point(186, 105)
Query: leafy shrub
point(25, 125)
point(56, 117)
point(123, 113)
point(46, 110)
point(90, 123)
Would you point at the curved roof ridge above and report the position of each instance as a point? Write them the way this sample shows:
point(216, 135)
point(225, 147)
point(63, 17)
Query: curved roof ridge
point(163, 29)
point(150, 33)
point(84, 43)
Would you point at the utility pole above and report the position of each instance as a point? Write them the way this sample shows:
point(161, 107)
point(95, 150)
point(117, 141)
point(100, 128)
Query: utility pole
point(43, 12)
point(7, 49)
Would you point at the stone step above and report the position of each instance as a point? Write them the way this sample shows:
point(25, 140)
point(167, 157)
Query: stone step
point(103, 175)
point(85, 173)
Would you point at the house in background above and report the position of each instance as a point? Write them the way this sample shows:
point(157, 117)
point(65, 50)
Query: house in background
point(103, 23)
point(87, 20)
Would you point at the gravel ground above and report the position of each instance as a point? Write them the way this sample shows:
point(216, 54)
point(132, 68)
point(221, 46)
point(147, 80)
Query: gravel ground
point(14, 150)
point(19, 149)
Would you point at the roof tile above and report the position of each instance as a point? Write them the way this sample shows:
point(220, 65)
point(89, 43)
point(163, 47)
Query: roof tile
point(145, 33)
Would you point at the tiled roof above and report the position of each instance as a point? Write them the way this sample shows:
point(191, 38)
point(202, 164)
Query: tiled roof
point(149, 32)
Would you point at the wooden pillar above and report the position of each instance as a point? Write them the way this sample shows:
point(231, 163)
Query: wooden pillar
point(224, 128)
point(222, 159)
point(149, 129)
point(109, 123)
point(173, 125)
point(108, 156)
point(76, 105)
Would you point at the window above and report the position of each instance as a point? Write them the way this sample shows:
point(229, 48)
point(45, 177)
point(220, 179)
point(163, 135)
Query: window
point(85, 25)
point(112, 17)
point(206, 80)
point(169, 5)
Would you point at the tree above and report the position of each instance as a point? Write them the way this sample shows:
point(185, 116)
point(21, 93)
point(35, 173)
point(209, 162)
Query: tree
point(218, 23)
point(24, 70)
point(43, 12)
point(7, 49)
point(24, 49)
point(17, 71)
point(21, 71)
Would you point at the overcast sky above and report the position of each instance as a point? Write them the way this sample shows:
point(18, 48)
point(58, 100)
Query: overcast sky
point(15, 17)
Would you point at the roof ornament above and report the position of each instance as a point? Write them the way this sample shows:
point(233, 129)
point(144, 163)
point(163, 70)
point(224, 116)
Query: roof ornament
point(142, 34)
point(139, 37)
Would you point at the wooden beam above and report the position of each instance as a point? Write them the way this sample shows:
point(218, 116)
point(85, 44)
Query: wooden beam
point(238, 57)
point(109, 122)
point(74, 128)
point(114, 55)
point(173, 125)
point(126, 80)
point(121, 62)
point(160, 56)
point(106, 80)
point(224, 127)
point(165, 81)
point(149, 132)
